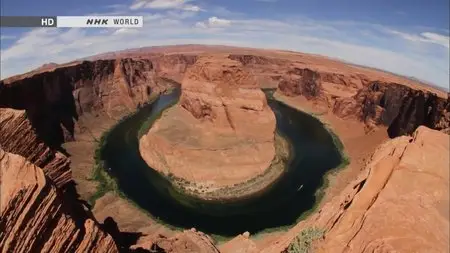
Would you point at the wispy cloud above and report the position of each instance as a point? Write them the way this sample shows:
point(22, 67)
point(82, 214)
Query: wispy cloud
point(425, 37)
point(168, 22)
point(214, 22)
point(165, 4)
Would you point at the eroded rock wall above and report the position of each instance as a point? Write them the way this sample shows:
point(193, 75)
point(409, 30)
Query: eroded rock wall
point(400, 108)
point(17, 135)
point(304, 82)
point(399, 202)
point(54, 100)
point(34, 217)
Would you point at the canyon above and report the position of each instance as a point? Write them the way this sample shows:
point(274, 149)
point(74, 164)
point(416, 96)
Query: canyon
point(52, 119)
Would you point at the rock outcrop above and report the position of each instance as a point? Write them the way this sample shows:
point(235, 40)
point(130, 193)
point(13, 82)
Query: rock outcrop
point(188, 241)
point(220, 133)
point(173, 66)
point(35, 219)
point(17, 136)
point(304, 82)
point(399, 203)
point(400, 108)
point(54, 100)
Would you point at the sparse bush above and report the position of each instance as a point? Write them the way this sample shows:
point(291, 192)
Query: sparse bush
point(302, 243)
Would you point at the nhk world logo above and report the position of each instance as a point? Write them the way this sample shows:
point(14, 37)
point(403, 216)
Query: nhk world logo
point(100, 21)
point(71, 21)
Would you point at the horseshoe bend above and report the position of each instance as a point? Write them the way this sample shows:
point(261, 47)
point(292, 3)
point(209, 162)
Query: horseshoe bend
point(222, 131)
point(196, 148)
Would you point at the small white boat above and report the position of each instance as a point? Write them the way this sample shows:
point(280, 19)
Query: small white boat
point(299, 188)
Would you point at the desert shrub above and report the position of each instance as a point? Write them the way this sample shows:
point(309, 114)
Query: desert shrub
point(302, 243)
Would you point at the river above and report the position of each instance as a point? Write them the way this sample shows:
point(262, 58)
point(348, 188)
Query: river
point(313, 153)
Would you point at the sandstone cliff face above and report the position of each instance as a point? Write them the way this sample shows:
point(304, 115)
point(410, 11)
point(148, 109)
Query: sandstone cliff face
point(173, 66)
point(399, 203)
point(400, 108)
point(18, 136)
point(54, 100)
point(220, 133)
point(34, 218)
point(304, 82)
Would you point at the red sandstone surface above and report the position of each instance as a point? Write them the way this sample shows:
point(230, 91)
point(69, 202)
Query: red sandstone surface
point(220, 133)
point(34, 217)
point(393, 200)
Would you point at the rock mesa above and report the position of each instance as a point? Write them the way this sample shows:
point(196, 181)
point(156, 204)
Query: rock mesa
point(222, 130)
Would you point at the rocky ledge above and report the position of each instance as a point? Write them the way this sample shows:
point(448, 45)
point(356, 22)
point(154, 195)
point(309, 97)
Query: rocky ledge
point(34, 217)
point(398, 203)
point(221, 133)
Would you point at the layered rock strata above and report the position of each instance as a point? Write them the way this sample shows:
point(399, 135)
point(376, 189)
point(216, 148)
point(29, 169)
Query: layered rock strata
point(220, 133)
point(400, 108)
point(34, 217)
point(399, 203)
point(55, 99)
point(18, 136)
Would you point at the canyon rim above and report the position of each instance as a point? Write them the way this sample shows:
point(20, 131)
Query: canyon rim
point(394, 130)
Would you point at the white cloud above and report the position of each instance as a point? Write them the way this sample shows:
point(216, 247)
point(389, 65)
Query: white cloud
point(177, 26)
point(165, 4)
point(201, 25)
point(437, 38)
point(189, 7)
point(213, 22)
point(427, 37)
point(121, 31)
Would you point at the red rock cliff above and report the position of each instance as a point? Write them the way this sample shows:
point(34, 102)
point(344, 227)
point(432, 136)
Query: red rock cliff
point(391, 206)
point(34, 217)
point(400, 108)
point(17, 136)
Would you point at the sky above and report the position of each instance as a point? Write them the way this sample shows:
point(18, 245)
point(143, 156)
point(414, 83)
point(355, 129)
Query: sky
point(410, 38)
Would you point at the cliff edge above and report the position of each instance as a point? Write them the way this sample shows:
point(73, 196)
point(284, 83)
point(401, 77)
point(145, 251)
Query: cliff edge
point(36, 219)
point(399, 202)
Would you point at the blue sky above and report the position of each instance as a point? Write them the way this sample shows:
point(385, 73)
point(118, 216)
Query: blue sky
point(406, 37)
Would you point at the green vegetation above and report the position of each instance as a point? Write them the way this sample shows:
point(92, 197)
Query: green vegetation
point(303, 242)
point(105, 182)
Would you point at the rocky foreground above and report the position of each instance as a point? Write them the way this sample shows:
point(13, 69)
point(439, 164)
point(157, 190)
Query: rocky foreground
point(399, 202)
point(221, 132)
point(35, 217)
